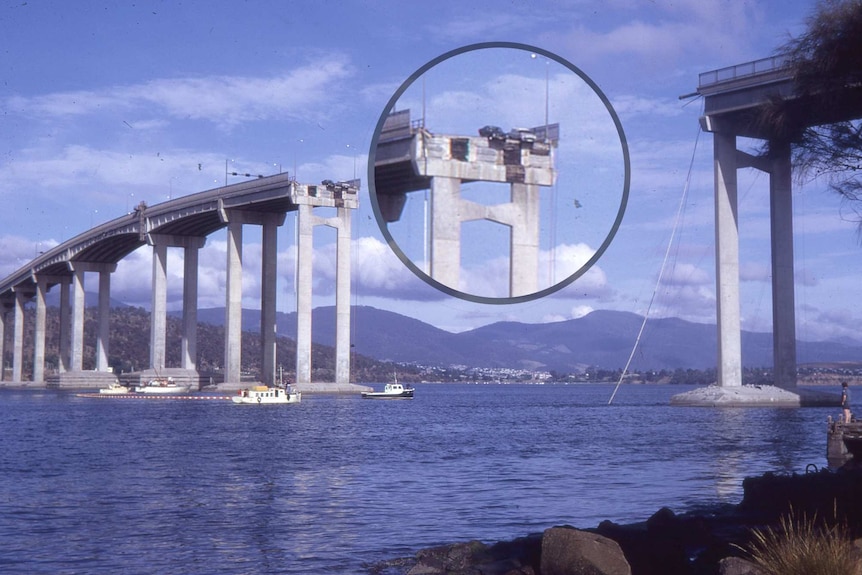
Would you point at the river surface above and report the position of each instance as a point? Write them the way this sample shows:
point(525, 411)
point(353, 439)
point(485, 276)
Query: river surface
point(334, 484)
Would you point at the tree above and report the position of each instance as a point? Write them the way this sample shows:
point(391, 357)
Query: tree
point(826, 62)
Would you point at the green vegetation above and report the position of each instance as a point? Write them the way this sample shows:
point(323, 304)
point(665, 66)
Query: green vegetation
point(826, 63)
point(130, 343)
point(129, 348)
point(804, 546)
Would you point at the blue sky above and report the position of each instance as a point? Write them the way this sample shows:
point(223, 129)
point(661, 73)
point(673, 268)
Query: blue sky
point(106, 104)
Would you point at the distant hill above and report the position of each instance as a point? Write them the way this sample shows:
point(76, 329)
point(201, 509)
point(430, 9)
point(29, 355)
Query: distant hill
point(602, 339)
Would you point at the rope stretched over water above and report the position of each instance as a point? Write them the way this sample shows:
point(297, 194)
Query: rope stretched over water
point(663, 264)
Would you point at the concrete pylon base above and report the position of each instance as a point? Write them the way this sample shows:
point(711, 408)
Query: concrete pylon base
point(754, 396)
point(85, 379)
point(330, 388)
point(178, 374)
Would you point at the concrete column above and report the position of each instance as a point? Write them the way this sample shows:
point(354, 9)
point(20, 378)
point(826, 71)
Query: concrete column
point(446, 230)
point(104, 334)
point(190, 308)
point(268, 297)
point(727, 261)
point(3, 326)
point(159, 310)
point(305, 246)
point(342, 298)
point(39, 332)
point(76, 353)
point(18, 340)
point(783, 298)
point(65, 326)
point(524, 247)
point(233, 304)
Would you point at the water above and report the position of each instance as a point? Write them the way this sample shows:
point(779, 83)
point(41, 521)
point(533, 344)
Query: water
point(335, 483)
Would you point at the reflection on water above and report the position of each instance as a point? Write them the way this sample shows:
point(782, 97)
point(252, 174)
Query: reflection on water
point(329, 484)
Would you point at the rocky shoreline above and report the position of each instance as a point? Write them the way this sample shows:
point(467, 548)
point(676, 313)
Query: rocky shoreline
point(703, 542)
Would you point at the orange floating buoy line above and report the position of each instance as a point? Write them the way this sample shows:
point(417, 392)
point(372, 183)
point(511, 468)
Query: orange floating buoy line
point(164, 397)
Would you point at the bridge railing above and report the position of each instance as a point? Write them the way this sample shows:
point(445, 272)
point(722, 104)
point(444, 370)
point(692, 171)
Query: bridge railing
point(748, 69)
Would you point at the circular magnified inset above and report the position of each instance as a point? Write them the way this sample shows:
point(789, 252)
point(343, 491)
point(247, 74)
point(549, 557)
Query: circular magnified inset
point(499, 173)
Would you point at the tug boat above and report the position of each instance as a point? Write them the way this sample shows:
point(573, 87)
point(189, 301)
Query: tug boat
point(390, 391)
point(262, 394)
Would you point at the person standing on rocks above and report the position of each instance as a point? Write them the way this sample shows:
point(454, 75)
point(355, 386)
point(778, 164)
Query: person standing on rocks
point(845, 401)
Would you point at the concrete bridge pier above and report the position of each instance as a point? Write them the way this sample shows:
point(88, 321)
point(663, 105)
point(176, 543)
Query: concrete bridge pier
point(521, 215)
point(269, 295)
point(4, 327)
point(76, 334)
point(306, 223)
point(21, 297)
point(189, 351)
point(158, 312)
point(727, 160)
point(233, 291)
point(39, 332)
point(65, 325)
point(727, 261)
point(778, 166)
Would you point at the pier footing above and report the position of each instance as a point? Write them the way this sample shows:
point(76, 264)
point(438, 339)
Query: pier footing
point(754, 396)
point(331, 388)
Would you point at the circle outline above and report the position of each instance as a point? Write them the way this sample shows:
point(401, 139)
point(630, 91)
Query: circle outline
point(393, 244)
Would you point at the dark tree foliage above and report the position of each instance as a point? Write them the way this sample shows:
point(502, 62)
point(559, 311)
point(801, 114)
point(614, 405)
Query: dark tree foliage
point(826, 62)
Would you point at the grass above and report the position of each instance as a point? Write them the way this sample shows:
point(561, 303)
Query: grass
point(803, 546)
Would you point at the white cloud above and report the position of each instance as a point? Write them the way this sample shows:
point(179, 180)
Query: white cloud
point(227, 100)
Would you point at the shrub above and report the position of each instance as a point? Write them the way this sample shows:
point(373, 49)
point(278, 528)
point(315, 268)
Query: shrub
point(803, 546)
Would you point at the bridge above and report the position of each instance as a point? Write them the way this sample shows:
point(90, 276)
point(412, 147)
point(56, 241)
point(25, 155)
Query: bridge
point(409, 158)
point(734, 99)
point(185, 223)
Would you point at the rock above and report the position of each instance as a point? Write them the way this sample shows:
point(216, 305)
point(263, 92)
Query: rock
point(517, 557)
point(702, 542)
point(569, 551)
point(737, 566)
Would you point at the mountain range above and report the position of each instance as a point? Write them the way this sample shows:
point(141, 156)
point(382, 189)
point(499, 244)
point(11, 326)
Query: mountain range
point(602, 339)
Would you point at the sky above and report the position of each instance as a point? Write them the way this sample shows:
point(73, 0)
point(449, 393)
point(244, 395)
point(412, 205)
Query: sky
point(107, 104)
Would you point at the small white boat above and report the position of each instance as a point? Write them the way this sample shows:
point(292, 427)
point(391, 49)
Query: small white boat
point(163, 386)
point(115, 388)
point(390, 391)
point(263, 394)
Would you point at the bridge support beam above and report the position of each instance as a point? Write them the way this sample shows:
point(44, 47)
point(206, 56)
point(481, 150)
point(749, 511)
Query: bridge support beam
point(76, 351)
point(18, 336)
point(306, 220)
point(4, 326)
point(342, 298)
point(103, 336)
point(268, 296)
point(727, 261)
point(783, 292)
point(158, 309)
point(65, 325)
point(39, 332)
point(446, 230)
point(233, 303)
point(189, 344)
point(524, 223)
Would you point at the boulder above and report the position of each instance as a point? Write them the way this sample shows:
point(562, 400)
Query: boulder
point(737, 566)
point(517, 557)
point(569, 551)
